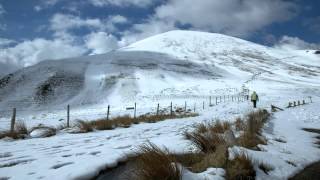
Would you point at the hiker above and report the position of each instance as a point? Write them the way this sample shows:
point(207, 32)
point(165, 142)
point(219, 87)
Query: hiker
point(254, 99)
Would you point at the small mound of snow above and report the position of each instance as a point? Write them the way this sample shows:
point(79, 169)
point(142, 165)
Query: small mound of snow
point(42, 131)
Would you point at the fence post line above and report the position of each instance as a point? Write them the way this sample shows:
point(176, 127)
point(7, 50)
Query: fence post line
point(68, 115)
point(108, 112)
point(135, 110)
point(13, 119)
point(158, 109)
point(171, 108)
point(203, 105)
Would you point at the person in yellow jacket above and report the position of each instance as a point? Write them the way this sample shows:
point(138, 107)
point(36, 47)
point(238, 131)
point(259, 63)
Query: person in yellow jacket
point(254, 99)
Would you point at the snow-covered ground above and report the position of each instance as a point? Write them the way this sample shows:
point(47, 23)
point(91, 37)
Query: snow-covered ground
point(177, 66)
point(72, 156)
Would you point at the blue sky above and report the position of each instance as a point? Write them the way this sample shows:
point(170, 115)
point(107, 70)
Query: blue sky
point(34, 30)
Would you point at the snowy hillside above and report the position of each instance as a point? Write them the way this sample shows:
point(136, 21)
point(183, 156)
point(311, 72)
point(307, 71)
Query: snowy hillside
point(172, 65)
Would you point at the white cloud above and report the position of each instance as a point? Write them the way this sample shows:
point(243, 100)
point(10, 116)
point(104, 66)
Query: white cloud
point(5, 42)
point(122, 3)
point(61, 24)
point(31, 52)
point(236, 17)
point(65, 22)
point(288, 42)
point(45, 4)
point(147, 29)
point(101, 42)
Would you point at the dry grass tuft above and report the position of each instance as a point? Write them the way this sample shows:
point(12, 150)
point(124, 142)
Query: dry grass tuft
point(103, 124)
point(215, 159)
point(240, 168)
point(205, 142)
point(219, 127)
point(20, 131)
point(123, 121)
point(154, 163)
point(251, 136)
point(21, 128)
point(239, 124)
point(84, 126)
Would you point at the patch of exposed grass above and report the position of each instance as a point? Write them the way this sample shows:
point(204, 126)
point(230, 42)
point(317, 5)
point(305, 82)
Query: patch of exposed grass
point(126, 121)
point(84, 126)
point(123, 121)
point(251, 136)
point(240, 168)
point(205, 142)
point(154, 163)
point(103, 124)
point(239, 124)
point(20, 131)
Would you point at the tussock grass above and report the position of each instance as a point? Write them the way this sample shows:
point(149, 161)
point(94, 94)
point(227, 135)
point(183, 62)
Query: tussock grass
point(84, 126)
point(251, 136)
point(20, 131)
point(205, 142)
point(157, 164)
point(126, 121)
point(240, 168)
point(123, 121)
point(216, 159)
point(239, 124)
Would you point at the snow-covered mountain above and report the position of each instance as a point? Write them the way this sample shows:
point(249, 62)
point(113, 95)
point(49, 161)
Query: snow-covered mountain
point(176, 63)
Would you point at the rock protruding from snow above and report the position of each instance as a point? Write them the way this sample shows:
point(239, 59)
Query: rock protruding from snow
point(42, 131)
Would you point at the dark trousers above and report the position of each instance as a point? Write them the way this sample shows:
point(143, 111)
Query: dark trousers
point(254, 103)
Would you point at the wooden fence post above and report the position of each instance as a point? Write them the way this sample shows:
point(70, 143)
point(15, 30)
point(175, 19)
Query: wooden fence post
point(210, 101)
point(203, 105)
point(224, 98)
point(216, 100)
point(220, 100)
point(68, 115)
point(294, 104)
point(135, 110)
point(310, 99)
point(194, 108)
point(108, 112)
point(158, 109)
point(185, 106)
point(13, 119)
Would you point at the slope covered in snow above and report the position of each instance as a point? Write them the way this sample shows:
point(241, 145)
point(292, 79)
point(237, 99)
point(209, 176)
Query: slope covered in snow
point(173, 65)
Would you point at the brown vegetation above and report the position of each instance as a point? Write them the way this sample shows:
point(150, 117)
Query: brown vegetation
point(157, 164)
point(240, 168)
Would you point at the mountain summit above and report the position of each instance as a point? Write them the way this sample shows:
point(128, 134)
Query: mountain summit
point(175, 64)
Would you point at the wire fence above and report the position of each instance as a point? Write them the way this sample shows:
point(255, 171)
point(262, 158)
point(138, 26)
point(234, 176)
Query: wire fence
point(69, 114)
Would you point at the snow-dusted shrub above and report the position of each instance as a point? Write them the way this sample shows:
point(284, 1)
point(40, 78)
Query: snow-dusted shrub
point(155, 163)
